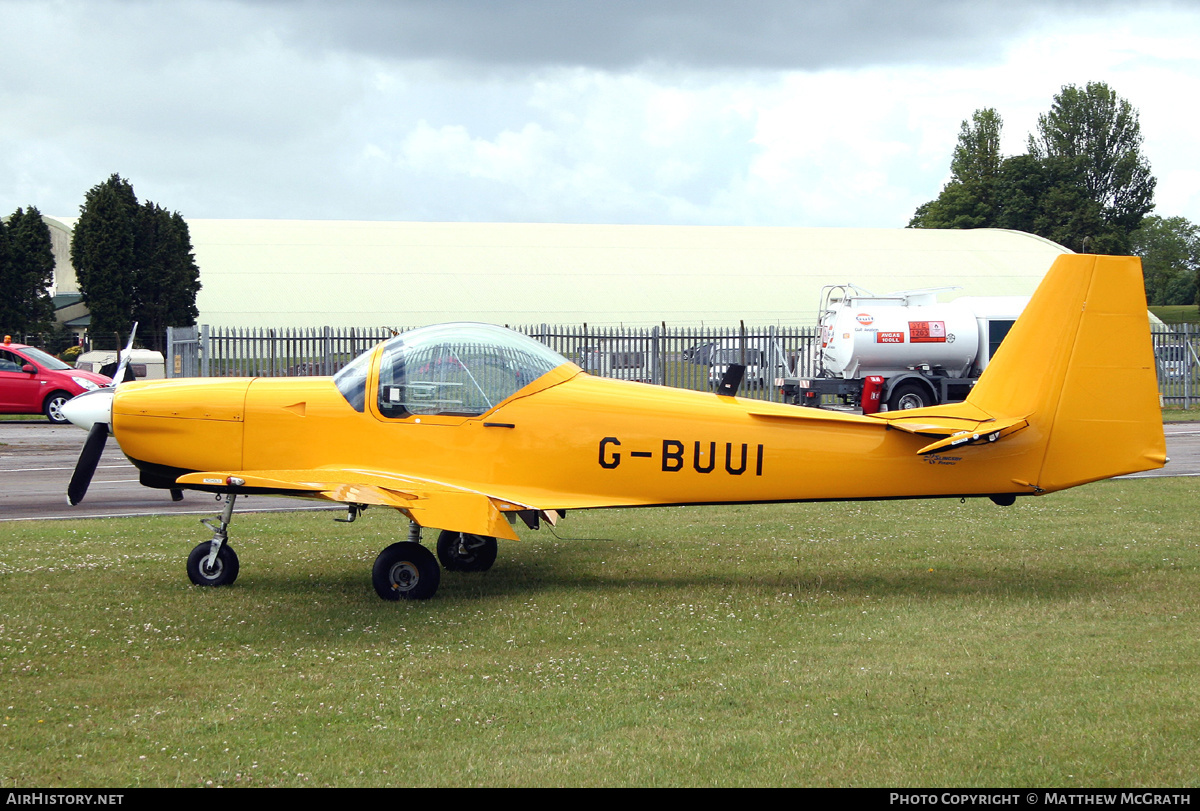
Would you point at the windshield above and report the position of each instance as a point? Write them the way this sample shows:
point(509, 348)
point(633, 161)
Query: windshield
point(47, 360)
point(352, 380)
point(452, 369)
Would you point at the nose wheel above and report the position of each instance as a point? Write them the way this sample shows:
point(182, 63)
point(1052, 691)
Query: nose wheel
point(220, 572)
point(214, 563)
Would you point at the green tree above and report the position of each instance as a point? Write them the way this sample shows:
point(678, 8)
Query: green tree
point(8, 316)
point(1084, 182)
point(166, 279)
point(1101, 131)
point(1170, 252)
point(33, 270)
point(102, 250)
point(185, 275)
point(977, 158)
point(968, 200)
point(1047, 197)
point(26, 273)
point(134, 263)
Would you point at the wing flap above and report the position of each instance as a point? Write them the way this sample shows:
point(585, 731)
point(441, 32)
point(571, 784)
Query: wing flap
point(430, 504)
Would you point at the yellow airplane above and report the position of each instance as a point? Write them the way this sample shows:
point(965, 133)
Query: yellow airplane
point(468, 427)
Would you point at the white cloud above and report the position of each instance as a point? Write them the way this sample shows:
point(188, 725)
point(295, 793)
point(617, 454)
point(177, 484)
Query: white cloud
point(243, 109)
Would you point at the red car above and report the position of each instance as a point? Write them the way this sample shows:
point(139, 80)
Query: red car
point(34, 382)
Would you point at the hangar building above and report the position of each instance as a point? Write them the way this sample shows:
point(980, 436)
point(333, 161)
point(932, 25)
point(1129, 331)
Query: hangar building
point(308, 273)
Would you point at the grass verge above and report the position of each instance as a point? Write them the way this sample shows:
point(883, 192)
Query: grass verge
point(1180, 414)
point(1177, 313)
point(939, 643)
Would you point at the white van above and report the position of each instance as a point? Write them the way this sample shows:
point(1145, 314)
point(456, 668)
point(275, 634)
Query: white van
point(145, 363)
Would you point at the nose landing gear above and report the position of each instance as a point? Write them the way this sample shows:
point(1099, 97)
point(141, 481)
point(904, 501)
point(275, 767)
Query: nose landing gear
point(214, 563)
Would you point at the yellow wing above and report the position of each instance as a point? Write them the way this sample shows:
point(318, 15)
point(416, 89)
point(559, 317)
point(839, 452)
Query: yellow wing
point(428, 503)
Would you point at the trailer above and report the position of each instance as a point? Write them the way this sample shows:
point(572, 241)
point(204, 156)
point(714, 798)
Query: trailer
point(901, 350)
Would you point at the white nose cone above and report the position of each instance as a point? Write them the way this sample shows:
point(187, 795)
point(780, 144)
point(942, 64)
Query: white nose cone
point(90, 408)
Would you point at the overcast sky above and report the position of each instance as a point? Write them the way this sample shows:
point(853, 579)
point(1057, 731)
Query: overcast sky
point(737, 112)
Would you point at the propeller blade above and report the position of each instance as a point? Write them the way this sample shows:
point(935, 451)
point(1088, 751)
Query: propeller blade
point(89, 458)
point(95, 414)
point(123, 358)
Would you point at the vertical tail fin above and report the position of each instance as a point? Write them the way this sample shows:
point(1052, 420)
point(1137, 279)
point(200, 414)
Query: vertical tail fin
point(1079, 366)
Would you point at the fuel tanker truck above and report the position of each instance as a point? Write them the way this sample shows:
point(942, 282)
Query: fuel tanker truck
point(902, 350)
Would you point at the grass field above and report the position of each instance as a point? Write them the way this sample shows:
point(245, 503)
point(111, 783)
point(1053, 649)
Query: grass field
point(1177, 313)
point(1052, 643)
point(1180, 414)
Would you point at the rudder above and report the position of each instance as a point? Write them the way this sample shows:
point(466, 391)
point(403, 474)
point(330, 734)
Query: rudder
point(1079, 365)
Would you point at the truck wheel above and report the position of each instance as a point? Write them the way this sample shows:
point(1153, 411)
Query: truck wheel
point(909, 395)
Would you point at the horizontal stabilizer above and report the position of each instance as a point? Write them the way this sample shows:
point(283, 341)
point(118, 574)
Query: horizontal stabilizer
point(954, 430)
point(983, 434)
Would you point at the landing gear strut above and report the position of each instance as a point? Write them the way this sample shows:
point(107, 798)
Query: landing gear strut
point(403, 571)
point(464, 552)
point(214, 563)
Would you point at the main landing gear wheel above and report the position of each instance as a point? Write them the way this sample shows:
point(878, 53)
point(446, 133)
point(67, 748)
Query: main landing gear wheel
point(463, 552)
point(406, 571)
point(223, 571)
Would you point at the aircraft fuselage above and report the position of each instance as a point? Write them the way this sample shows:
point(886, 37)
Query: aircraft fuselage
point(574, 441)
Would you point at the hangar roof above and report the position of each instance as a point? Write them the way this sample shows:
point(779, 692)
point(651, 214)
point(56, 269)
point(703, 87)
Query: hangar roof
point(275, 273)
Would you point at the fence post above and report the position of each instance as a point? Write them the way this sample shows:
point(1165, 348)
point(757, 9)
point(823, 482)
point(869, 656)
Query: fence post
point(656, 363)
point(205, 352)
point(168, 363)
point(773, 363)
point(1187, 367)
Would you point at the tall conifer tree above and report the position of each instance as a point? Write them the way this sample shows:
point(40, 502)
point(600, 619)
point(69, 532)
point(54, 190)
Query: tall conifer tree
point(33, 253)
point(134, 263)
point(102, 250)
point(8, 316)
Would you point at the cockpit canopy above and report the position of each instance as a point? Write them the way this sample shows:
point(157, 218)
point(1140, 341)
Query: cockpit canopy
point(452, 369)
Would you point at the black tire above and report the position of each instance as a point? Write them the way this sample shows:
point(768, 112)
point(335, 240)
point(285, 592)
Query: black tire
point(223, 573)
point(463, 552)
point(909, 395)
point(406, 571)
point(52, 407)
